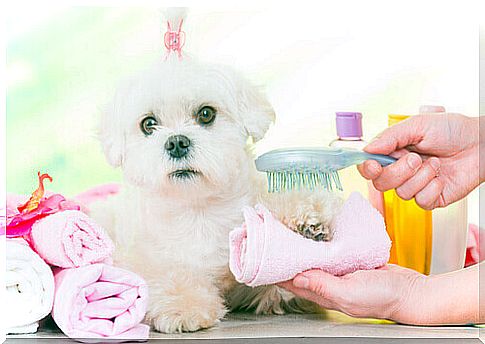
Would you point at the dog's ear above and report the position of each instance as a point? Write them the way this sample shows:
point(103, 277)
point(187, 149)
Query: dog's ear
point(111, 135)
point(256, 112)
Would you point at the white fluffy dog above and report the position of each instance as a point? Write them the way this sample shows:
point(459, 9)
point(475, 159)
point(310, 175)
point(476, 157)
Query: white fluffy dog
point(180, 131)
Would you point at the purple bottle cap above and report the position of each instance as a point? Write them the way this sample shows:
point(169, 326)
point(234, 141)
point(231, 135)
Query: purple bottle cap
point(349, 124)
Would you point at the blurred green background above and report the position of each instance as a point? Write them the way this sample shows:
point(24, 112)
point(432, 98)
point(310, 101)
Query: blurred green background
point(60, 73)
point(63, 64)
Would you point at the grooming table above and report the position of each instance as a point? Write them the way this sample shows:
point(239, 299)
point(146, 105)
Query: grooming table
point(295, 328)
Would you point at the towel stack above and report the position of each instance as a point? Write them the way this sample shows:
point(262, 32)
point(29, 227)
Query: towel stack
point(30, 287)
point(63, 267)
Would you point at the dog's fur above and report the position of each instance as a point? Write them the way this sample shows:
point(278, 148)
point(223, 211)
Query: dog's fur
point(174, 231)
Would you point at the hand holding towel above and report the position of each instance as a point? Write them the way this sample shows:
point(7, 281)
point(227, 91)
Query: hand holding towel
point(263, 251)
point(100, 301)
point(70, 239)
point(29, 287)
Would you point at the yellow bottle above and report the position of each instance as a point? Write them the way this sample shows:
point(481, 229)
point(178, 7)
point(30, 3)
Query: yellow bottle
point(409, 226)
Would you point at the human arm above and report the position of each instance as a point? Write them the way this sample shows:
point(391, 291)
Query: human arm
point(396, 293)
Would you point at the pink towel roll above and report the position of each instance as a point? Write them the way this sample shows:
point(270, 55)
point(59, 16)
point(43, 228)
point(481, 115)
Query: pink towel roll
point(100, 301)
point(70, 239)
point(263, 251)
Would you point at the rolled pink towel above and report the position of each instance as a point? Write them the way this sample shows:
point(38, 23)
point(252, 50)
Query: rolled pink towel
point(264, 251)
point(70, 239)
point(100, 301)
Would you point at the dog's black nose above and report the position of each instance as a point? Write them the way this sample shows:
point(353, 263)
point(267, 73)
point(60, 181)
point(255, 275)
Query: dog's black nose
point(177, 146)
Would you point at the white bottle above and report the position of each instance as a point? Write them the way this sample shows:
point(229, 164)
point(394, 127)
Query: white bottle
point(350, 135)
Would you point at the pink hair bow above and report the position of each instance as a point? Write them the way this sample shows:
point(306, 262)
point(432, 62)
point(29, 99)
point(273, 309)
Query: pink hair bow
point(174, 40)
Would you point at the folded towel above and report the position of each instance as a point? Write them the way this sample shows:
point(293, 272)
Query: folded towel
point(29, 287)
point(100, 301)
point(263, 251)
point(70, 239)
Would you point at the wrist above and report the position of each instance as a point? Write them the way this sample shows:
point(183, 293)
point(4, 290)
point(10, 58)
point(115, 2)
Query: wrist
point(450, 298)
point(413, 305)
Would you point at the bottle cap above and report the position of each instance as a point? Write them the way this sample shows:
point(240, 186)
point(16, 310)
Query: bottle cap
point(394, 119)
point(349, 124)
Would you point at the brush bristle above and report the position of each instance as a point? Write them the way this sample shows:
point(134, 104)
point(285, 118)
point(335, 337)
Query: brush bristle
point(281, 181)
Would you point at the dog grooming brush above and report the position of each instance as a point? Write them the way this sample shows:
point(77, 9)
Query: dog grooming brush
point(311, 168)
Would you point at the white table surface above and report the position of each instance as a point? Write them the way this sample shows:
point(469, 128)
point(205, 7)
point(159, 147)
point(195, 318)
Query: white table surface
point(246, 325)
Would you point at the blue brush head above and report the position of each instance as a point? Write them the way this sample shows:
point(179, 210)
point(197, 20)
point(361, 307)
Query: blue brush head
point(311, 168)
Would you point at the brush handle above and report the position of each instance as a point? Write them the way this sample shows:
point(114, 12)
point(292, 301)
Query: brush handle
point(384, 160)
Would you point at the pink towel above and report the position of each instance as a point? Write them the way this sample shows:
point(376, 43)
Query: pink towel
point(263, 251)
point(19, 223)
point(473, 245)
point(100, 301)
point(3, 220)
point(70, 239)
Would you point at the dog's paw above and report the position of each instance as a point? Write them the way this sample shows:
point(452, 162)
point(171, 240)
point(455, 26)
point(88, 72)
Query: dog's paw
point(310, 224)
point(187, 319)
point(309, 214)
point(313, 230)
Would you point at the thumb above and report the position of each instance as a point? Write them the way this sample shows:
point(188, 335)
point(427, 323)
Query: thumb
point(320, 283)
point(398, 136)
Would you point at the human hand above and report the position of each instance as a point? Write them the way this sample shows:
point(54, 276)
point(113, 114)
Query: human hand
point(438, 161)
point(389, 292)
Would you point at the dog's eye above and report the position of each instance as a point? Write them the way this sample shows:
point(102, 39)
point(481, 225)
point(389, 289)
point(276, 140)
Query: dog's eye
point(147, 125)
point(206, 115)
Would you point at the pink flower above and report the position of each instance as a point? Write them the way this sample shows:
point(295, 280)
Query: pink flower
point(20, 224)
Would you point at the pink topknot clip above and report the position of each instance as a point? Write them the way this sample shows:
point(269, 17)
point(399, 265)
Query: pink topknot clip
point(174, 40)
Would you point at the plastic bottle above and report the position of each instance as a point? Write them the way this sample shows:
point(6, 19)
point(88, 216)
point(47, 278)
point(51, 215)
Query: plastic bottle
point(350, 135)
point(409, 227)
point(450, 228)
point(428, 242)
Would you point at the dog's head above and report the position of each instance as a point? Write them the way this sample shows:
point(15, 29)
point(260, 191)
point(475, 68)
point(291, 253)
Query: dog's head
point(182, 125)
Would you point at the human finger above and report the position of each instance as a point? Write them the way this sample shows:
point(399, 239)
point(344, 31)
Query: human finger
point(428, 198)
point(398, 172)
point(428, 171)
point(401, 135)
point(370, 169)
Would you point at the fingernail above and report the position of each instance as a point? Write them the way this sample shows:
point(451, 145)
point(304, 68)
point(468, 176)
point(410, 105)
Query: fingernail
point(373, 169)
point(413, 161)
point(435, 163)
point(301, 282)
